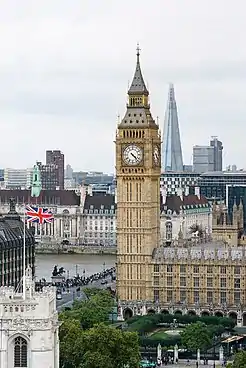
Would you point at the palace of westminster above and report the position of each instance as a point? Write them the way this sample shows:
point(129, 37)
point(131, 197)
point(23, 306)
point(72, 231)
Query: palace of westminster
point(162, 266)
point(204, 277)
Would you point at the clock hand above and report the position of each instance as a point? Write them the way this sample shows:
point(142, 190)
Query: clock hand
point(133, 156)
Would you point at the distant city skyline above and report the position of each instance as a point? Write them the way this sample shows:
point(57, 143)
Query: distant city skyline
point(63, 83)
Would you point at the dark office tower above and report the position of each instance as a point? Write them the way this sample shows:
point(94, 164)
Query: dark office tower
point(57, 158)
point(218, 149)
point(172, 159)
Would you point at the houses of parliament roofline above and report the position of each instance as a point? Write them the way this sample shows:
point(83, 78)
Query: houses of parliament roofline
point(204, 251)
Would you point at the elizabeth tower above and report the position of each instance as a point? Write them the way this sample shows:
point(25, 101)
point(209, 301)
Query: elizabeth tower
point(138, 170)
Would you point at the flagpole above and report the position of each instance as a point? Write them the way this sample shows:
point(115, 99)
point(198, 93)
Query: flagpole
point(24, 257)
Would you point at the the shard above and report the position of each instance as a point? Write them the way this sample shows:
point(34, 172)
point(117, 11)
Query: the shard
point(172, 159)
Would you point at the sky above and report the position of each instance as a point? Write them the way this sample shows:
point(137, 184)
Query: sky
point(65, 67)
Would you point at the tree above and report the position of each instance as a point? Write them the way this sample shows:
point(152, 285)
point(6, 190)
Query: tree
point(92, 311)
point(108, 347)
point(240, 360)
point(195, 228)
point(69, 334)
point(196, 336)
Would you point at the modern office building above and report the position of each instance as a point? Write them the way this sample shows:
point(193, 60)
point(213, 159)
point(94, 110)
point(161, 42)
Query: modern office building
point(208, 158)
point(218, 151)
point(49, 176)
point(57, 158)
point(213, 184)
point(17, 178)
point(172, 158)
point(174, 181)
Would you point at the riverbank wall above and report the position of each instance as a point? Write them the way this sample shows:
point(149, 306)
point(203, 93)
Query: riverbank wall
point(73, 249)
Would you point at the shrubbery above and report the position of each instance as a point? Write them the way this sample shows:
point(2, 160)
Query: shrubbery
point(146, 324)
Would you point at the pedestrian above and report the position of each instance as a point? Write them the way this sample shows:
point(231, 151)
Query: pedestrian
point(196, 364)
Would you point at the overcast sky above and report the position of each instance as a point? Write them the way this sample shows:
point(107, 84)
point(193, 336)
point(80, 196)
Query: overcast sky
point(65, 66)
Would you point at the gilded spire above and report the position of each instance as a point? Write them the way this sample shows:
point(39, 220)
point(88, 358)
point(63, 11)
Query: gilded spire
point(138, 86)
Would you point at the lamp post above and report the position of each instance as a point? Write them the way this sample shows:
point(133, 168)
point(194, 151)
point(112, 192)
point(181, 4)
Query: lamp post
point(214, 341)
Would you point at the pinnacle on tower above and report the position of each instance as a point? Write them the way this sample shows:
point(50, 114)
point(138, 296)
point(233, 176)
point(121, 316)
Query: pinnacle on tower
point(171, 147)
point(138, 86)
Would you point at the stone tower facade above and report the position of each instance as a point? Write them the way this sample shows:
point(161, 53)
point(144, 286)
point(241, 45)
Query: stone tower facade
point(138, 170)
point(29, 327)
point(228, 228)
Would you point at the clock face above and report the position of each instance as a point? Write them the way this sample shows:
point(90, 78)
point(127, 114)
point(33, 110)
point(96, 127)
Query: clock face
point(156, 155)
point(132, 155)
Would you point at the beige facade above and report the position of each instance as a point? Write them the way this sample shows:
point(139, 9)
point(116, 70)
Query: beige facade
point(138, 169)
point(201, 277)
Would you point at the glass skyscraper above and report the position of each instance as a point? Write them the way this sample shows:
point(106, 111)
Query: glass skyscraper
point(172, 159)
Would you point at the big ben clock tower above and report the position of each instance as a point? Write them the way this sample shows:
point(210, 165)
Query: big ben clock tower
point(138, 170)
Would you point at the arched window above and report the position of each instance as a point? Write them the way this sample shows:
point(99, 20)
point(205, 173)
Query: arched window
point(20, 352)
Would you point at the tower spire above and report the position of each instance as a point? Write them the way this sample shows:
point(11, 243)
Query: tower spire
point(138, 85)
point(172, 151)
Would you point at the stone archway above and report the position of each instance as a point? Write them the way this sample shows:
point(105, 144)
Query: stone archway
point(233, 315)
point(178, 313)
point(127, 313)
point(205, 314)
point(191, 313)
point(164, 311)
point(219, 314)
point(151, 311)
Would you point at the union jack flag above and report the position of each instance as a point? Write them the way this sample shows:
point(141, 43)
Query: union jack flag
point(39, 215)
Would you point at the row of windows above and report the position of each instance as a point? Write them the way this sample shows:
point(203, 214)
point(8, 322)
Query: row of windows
point(196, 296)
point(100, 235)
point(101, 228)
point(197, 269)
point(111, 212)
point(196, 282)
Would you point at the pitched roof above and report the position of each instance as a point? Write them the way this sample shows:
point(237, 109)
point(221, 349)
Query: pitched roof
point(138, 85)
point(47, 197)
point(98, 201)
point(175, 202)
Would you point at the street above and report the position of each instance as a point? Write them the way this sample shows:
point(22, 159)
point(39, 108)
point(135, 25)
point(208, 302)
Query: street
point(68, 298)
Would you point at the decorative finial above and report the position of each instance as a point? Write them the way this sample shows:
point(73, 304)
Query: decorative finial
point(138, 51)
point(118, 116)
point(157, 120)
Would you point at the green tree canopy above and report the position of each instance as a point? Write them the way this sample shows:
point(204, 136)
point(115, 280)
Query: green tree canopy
point(240, 360)
point(94, 310)
point(196, 336)
point(70, 333)
point(100, 346)
point(108, 347)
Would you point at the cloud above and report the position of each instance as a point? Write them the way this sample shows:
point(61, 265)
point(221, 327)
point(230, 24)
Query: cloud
point(65, 67)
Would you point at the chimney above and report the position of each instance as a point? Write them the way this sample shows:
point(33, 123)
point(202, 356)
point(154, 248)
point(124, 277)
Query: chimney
point(164, 195)
point(187, 191)
point(180, 193)
point(197, 192)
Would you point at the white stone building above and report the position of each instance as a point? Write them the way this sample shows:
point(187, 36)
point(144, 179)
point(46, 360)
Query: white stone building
point(181, 212)
point(29, 327)
point(66, 205)
point(99, 220)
